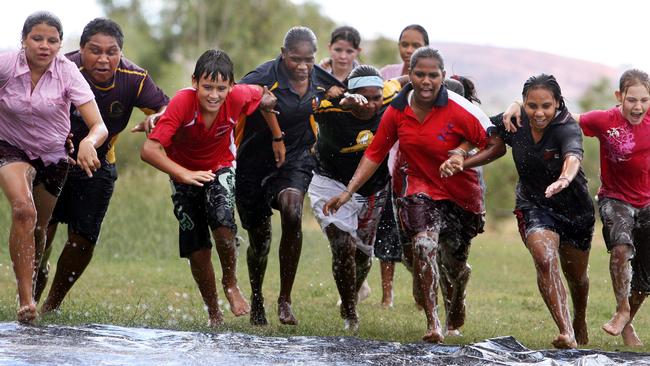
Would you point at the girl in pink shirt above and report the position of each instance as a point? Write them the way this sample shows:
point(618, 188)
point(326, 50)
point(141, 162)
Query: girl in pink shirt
point(36, 89)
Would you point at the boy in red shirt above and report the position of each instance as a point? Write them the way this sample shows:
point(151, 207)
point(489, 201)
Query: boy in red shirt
point(196, 132)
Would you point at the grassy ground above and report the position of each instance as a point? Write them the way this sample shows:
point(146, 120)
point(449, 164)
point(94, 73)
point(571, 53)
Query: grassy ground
point(137, 279)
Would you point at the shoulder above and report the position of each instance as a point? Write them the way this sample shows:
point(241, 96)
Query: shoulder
point(264, 74)
point(8, 62)
point(130, 70)
point(74, 56)
point(243, 92)
point(391, 71)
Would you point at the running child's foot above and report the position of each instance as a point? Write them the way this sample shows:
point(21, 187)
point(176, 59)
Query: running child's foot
point(215, 320)
point(364, 292)
point(616, 324)
point(433, 336)
point(285, 314)
point(238, 304)
point(258, 314)
point(630, 338)
point(27, 314)
point(564, 341)
point(580, 329)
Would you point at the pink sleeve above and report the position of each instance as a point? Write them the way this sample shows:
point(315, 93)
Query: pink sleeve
point(384, 138)
point(171, 120)
point(79, 90)
point(589, 122)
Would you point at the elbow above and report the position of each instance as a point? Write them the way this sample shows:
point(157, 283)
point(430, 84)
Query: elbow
point(145, 152)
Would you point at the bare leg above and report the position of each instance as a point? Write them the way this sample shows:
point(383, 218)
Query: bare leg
point(290, 202)
point(43, 272)
point(256, 258)
point(74, 259)
point(454, 276)
point(344, 271)
point(630, 338)
point(16, 182)
point(226, 244)
point(408, 263)
point(620, 270)
point(387, 273)
point(203, 273)
point(425, 247)
point(574, 265)
point(543, 246)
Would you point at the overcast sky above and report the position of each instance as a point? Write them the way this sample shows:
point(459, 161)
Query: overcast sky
point(609, 32)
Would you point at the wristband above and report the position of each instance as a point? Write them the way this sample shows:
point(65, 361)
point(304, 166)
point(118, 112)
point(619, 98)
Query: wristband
point(279, 139)
point(457, 151)
point(565, 179)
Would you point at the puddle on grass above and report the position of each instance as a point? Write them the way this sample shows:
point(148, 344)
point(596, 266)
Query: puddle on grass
point(113, 345)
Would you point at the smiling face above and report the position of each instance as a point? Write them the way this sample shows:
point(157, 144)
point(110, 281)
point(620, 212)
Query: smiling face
point(540, 107)
point(635, 101)
point(100, 57)
point(426, 77)
point(211, 93)
point(41, 45)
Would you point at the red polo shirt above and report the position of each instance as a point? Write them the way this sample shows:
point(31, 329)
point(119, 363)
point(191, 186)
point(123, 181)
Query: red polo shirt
point(181, 129)
point(424, 146)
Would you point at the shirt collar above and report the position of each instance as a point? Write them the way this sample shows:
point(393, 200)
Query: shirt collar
point(22, 67)
point(401, 100)
point(283, 76)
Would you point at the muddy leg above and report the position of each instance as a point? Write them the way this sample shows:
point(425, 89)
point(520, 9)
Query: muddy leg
point(203, 273)
point(425, 247)
point(226, 244)
point(256, 258)
point(290, 201)
point(574, 265)
point(620, 270)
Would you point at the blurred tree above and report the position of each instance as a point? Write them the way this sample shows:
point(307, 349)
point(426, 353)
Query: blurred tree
point(600, 95)
point(381, 52)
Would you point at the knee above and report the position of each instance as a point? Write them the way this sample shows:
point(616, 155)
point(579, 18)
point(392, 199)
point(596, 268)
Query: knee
point(259, 248)
point(291, 215)
point(424, 247)
point(544, 264)
point(23, 213)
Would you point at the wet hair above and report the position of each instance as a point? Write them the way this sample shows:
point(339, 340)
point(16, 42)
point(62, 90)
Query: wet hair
point(346, 33)
point(418, 28)
point(213, 63)
point(544, 81)
point(426, 52)
point(455, 86)
point(632, 77)
point(41, 17)
point(469, 90)
point(299, 34)
point(363, 70)
point(103, 26)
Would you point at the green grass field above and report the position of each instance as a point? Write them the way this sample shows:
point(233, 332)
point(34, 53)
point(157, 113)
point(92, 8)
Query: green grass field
point(137, 279)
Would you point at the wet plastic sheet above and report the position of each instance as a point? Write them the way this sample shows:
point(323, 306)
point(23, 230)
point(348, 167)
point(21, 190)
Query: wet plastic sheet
point(112, 345)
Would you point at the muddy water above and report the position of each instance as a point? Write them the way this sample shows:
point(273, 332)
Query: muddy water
point(112, 345)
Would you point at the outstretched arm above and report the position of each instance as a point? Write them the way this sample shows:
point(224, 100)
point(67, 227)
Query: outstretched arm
point(570, 169)
point(149, 121)
point(364, 171)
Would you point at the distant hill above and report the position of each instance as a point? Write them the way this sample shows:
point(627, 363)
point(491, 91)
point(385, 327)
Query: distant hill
point(499, 73)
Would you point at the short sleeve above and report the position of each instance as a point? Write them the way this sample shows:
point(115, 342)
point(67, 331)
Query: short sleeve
point(385, 137)
point(78, 90)
point(178, 111)
point(150, 96)
point(570, 139)
point(247, 98)
point(498, 129)
point(590, 121)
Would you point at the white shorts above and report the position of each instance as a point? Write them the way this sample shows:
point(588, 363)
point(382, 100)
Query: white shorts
point(359, 216)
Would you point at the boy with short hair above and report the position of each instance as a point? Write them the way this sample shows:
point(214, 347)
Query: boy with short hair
point(196, 132)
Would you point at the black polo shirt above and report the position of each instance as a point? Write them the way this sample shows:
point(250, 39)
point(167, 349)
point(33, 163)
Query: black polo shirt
point(540, 164)
point(253, 136)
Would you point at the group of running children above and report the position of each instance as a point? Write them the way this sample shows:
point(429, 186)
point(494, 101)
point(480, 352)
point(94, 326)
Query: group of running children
point(388, 157)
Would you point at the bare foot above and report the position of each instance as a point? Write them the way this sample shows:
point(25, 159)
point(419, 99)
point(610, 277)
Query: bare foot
point(580, 329)
point(238, 304)
point(285, 314)
point(46, 308)
point(454, 332)
point(630, 338)
point(215, 320)
point(351, 325)
point(258, 314)
point(27, 314)
point(433, 336)
point(387, 300)
point(564, 341)
point(616, 324)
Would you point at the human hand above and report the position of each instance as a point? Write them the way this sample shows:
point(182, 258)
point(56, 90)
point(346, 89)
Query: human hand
point(451, 166)
point(148, 123)
point(557, 186)
point(352, 100)
point(334, 203)
point(279, 152)
point(268, 101)
point(512, 112)
point(87, 157)
point(195, 177)
point(334, 92)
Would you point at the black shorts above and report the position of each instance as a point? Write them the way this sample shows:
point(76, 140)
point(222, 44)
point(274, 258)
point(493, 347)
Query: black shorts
point(84, 201)
point(51, 176)
point(258, 187)
point(576, 231)
point(455, 226)
point(199, 209)
point(387, 244)
point(624, 224)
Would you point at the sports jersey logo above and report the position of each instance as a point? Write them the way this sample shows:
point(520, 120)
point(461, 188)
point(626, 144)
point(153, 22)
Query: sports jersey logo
point(442, 136)
point(116, 110)
point(550, 154)
point(364, 138)
point(620, 143)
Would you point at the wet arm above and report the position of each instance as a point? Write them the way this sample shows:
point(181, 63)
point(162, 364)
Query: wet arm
point(458, 159)
point(97, 133)
point(152, 152)
point(364, 171)
point(570, 169)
